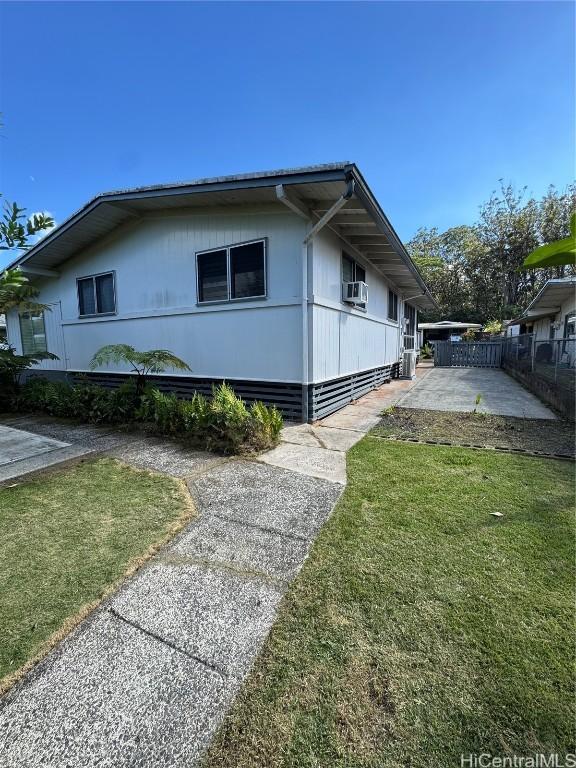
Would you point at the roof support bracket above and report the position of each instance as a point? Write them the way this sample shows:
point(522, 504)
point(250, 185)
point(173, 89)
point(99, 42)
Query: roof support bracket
point(292, 202)
point(331, 212)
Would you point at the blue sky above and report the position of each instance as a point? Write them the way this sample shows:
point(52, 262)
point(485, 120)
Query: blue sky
point(435, 101)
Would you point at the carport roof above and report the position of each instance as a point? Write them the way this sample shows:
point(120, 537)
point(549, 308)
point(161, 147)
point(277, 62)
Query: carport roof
point(549, 300)
point(310, 191)
point(447, 325)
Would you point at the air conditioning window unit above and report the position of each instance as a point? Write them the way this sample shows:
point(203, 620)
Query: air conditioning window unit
point(355, 293)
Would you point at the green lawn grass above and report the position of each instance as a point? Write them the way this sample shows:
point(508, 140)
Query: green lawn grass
point(66, 539)
point(421, 627)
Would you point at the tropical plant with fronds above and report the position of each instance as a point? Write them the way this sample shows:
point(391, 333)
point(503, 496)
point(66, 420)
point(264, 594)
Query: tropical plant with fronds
point(16, 292)
point(142, 363)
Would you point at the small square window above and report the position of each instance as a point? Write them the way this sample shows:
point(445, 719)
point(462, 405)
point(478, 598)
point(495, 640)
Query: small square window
point(97, 295)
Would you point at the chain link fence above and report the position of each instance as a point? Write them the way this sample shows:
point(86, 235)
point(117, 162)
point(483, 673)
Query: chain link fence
point(546, 367)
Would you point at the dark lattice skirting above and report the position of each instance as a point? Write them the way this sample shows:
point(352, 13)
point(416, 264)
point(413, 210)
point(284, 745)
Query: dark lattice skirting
point(322, 399)
point(286, 397)
point(330, 396)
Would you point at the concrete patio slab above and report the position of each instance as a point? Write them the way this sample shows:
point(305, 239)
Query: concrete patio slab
point(24, 467)
point(241, 546)
point(267, 497)
point(112, 695)
point(17, 444)
point(308, 460)
point(455, 389)
point(219, 617)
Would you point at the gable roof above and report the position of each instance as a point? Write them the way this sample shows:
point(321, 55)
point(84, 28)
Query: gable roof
point(360, 222)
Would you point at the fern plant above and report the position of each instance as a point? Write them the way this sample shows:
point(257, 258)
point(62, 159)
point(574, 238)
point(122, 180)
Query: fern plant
point(142, 363)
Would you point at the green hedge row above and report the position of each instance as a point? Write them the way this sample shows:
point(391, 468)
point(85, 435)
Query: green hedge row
point(221, 423)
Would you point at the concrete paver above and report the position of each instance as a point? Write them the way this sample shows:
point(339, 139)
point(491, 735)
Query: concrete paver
point(314, 461)
point(112, 695)
point(246, 547)
point(218, 616)
point(267, 497)
point(455, 389)
point(163, 456)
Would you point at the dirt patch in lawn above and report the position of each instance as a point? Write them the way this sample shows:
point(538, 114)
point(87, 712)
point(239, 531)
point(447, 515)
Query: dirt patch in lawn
point(487, 430)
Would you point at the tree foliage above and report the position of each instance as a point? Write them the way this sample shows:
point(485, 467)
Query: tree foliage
point(16, 228)
point(475, 271)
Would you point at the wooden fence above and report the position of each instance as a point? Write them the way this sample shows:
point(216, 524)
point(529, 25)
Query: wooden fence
point(468, 354)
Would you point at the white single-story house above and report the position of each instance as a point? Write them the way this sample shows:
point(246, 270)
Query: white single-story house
point(446, 330)
point(291, 285)
point(551, 315)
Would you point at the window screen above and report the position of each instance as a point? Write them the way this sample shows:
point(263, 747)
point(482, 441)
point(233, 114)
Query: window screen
point(247, 270)
point(96, 294)
point(392, 306)
point(212, 276)
point(33, 333)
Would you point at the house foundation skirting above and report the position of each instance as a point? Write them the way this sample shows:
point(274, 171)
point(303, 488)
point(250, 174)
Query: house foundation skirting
point(330, 396)
point(322, 398)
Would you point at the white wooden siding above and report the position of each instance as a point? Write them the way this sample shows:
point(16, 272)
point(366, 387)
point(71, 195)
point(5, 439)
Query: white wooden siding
point(344, 339)
point(155, 266)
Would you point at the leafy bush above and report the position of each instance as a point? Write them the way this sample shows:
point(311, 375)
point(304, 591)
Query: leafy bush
point(223, 423)
point(426, 352)
point(86, 402)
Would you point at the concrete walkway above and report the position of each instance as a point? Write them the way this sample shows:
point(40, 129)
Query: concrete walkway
point(455, 389)
point(147, 679)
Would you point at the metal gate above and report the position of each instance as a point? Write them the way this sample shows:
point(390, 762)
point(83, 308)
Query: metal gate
point(468, 354)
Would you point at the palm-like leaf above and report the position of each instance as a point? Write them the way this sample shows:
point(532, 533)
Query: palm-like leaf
point(151, 361)
point(555, 254)
point(17, 293)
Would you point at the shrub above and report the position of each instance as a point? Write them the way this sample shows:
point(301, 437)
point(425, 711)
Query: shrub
point(223, 423)
point(265, 426)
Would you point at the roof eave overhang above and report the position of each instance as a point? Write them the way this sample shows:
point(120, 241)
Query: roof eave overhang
point(119, 211)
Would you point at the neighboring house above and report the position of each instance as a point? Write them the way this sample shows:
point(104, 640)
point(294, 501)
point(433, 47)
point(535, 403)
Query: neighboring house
point(258, 279)
point(551, 315)
point(446, 330)
point(2, 332)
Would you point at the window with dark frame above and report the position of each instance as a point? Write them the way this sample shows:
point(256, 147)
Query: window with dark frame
point(352, 272)
point(97, 295)
point(32, 333)
point(232, 273)
point(392, 305)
